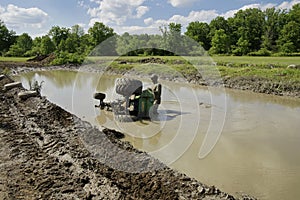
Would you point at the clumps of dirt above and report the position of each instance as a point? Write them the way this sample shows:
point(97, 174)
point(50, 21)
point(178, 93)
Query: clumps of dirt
point(152, 60)
point(43, 59)
point(261, 85)
point(113, 134)
point(38, 62)
point(48, 153)
point(11, 65)
point(37, 58)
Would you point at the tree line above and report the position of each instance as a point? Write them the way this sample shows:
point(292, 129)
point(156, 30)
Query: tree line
point(249, 32)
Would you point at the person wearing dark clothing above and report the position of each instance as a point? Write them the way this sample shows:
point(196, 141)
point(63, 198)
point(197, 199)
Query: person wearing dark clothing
point(156, 89)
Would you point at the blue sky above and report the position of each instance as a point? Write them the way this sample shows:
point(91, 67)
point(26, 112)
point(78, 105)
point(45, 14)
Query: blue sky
point(36, 17)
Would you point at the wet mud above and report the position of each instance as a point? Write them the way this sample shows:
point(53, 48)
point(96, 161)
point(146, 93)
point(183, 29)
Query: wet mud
point(48, 153)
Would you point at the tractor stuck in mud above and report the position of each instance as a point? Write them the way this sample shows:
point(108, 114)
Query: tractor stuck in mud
point(135, 103)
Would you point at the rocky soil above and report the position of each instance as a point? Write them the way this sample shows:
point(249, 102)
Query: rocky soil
point(48, 153)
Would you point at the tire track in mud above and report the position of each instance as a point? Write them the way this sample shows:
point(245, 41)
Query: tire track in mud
point(48, 153)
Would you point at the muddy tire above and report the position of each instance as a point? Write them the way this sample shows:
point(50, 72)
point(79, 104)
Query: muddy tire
point(127, 87)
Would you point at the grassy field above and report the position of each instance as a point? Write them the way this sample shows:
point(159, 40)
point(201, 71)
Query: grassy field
point(14, 59)
point(220, 60)
point(271, 68)
point(235, 60)
point(260, 61)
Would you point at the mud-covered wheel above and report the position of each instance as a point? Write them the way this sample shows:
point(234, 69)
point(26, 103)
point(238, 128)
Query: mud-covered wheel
point(127, 86)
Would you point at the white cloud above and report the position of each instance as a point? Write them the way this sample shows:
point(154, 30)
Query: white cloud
point(288, 5)
point(148, 21)
point(2, 9)
point(284, 5)
point(201, 16)
point(231, 13)
point(23, 19)
point(135, 9)
point(117, 11)
point(136, 29)
point(141, 10)
point(152, 26)
point(181, 3)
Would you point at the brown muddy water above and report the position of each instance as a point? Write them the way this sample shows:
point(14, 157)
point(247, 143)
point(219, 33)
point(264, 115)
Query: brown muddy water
point(238, 141)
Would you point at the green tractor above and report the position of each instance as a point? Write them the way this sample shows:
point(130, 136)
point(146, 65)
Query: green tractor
point(136, 102)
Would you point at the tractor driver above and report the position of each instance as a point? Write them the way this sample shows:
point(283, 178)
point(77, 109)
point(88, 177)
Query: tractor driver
point(156, 89)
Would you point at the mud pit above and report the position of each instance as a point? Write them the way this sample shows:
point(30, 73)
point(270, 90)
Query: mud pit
point(43, 156)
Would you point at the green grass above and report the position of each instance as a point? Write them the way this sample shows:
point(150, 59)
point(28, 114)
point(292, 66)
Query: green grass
point(271, 68)
point(220, 60)
point(275, 74)
point(259, 61)
point(14, 59)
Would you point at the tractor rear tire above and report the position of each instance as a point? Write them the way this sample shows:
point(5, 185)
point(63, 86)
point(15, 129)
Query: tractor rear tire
point(127, 86)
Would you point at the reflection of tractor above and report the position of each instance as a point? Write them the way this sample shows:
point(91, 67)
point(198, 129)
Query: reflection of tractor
point(136, 103)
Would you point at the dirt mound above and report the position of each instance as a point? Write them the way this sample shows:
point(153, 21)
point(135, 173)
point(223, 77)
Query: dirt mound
point(43, 59)
point(48, 153)
point(37, 58)
point(152, 60)
point(261, 85)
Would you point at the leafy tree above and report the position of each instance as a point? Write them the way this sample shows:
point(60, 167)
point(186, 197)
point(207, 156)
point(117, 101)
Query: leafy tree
point(77, 30)
point(249, 32)
point(249, 25)
point(99, 32)
point(131, 45)
point(36, 47)
point(123, 42)
point(154, 42)
point(233, 34)
point(22, 45)
point(243, 47)
point(217, 24)
point(47, 46)
point(174, 42)
point(62, 46)
point(289, 39)
point(164, 44)
point(274, 22)
point(220, 42)
point(85, 46)
point(58, 34)
point(71, 43)
point(7, 38)
point(199, 31)
point(294, 13)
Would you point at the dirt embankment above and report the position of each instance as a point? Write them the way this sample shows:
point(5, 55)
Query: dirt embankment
point(48, 153)
point(254, 84)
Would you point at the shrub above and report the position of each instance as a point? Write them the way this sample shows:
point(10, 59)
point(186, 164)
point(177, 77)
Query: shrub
point(261, 52)
point(67, 58)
